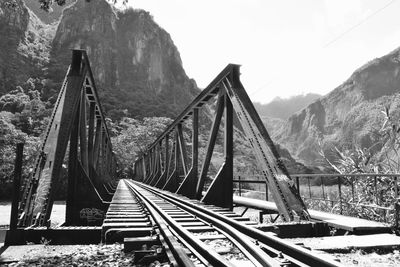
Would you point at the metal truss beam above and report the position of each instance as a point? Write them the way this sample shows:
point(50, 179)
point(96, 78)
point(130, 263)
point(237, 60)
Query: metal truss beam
point(232, 99)
point(77, 119)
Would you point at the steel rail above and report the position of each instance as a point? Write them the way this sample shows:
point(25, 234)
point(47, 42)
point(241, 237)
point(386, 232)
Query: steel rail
point(179, 254)
point(210, 255)
point(294, 251)
point(336, 175)
point(252, 249)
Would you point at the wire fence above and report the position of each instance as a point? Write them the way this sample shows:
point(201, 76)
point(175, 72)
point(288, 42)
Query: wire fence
point(368, 195)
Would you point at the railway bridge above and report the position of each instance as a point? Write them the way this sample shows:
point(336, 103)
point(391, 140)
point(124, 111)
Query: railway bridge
point(174, 206)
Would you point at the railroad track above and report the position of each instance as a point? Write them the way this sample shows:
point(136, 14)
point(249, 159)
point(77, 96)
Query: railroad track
point(186, 232)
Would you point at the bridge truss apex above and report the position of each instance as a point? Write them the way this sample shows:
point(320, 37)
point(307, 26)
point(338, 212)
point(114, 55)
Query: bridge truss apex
point(163, 165)
point(77, 120)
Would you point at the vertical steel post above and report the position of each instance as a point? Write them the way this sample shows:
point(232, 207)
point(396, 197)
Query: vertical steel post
point(82, 132)
point(97, 143)
point(177, 155)
point(220, 192)
point(16, 185)
point(72, 172)
point(210, 146)
point(188, 185)
point(195, 143)
point(92, 109)
point(240, 186)
point(340, 195)
point(376, 190)
point(228, 150)
point(182, 146)
point(167, 162)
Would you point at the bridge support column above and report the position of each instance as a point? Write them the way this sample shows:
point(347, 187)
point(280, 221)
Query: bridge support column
point(168, 158)
point(210, 146)
point(188, 186)
point(220, 192)
point(172, 182)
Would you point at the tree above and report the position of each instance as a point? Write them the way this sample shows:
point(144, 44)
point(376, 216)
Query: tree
point(46, 4)
point(9, 137)
point(370, 191)
point(132, 137)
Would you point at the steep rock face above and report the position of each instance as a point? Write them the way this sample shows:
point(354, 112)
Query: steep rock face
point(24, 43)
point(349, 115)
point(137, 67)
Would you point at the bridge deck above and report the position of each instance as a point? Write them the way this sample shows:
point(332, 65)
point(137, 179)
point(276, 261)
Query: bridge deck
point(347, 223)
point(125, 217)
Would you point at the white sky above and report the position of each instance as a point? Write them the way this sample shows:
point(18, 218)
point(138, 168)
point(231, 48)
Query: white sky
point(283, 46)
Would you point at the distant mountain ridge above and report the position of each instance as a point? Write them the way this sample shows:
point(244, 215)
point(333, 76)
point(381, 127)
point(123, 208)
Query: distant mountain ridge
point(283, 108)
point(349, 115)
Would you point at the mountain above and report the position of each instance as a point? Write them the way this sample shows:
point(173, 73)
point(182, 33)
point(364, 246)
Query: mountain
point(47, 17)
point(349, 115)
point(283, 108)
point(135, 62)
point(25, 44)
point(137, 67)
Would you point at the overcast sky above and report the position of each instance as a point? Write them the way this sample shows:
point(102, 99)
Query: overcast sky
point(285, 47)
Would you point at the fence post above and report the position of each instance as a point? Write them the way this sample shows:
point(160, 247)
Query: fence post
point(298, 184)
point(240, 186)
point(396, 214)
point(309, 187)
point(266, 190)
point(396, 204)
point(340, 194)
point(16, 186)
point(376, 190)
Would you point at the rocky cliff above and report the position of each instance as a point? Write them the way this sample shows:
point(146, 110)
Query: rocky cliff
point(136, 65)
point(349, 115)
point(24, 44)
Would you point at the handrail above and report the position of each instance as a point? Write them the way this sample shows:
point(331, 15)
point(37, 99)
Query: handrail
point(345, 174)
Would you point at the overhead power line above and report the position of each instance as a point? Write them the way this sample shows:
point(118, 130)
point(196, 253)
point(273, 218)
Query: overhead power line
point(335, 39)
point(357, 24)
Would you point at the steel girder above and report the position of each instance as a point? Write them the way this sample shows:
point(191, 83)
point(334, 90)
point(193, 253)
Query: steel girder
point(232, 99)
point(77, 119)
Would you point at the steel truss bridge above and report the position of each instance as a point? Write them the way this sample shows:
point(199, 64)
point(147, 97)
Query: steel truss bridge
point(166, 203)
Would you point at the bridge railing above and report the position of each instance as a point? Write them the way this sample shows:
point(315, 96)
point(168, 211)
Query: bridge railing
point(367, 195)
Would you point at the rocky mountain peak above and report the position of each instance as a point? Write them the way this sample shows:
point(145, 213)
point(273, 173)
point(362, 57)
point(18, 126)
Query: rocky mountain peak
point(135, 62)
point(349, 115)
